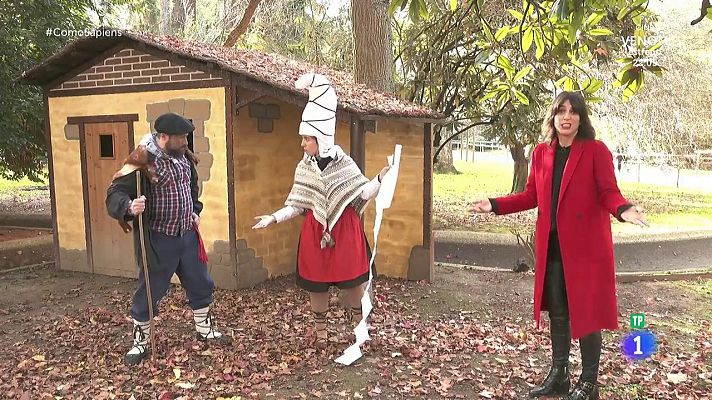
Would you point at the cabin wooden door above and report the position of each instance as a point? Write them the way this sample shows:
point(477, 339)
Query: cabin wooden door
point(106, 147)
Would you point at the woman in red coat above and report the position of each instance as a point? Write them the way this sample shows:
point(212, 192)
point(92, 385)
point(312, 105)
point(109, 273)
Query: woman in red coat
point(573, 184)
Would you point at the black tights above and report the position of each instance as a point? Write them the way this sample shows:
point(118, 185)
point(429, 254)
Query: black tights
point(557, 303)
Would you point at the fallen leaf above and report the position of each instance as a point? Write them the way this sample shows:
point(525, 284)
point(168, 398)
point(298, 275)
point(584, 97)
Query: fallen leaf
point(185, 385)
point(165, 395)
point(676, 378)
point(486, 394)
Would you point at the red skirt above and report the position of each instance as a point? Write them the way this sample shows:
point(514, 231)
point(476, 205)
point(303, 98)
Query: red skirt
point(345, 261)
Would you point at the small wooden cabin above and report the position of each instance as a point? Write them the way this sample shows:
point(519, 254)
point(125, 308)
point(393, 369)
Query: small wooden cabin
point(102, 94)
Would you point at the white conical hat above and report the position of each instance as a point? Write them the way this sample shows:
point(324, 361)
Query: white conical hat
point(319, 116)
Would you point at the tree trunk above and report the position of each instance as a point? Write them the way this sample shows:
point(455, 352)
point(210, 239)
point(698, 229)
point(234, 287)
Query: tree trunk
point(445, 165)
point(178, 17)
point(373, 47)
point(521, 167)
point(190, 10)
point(165, 27)
point(152, 18)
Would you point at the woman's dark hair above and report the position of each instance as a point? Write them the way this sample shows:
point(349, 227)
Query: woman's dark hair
point(585, 130)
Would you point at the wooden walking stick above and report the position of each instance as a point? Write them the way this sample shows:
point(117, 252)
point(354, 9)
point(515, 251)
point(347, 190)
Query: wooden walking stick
point(147, 282)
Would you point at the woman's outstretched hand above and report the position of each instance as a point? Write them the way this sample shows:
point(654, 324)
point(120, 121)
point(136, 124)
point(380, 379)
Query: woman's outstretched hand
point(481, 206)
point(634, 215)
point(265, 221)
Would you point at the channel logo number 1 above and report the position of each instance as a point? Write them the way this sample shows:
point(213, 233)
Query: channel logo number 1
point(640, 343)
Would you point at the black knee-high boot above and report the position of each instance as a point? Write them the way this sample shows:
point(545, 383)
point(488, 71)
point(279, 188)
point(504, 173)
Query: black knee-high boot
point(557, 382)
point(587, 387)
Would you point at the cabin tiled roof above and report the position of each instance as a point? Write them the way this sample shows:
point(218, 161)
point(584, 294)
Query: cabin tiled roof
point(277, 71)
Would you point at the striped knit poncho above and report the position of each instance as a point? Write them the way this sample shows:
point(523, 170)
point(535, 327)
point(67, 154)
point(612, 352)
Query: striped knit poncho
point(327, 193)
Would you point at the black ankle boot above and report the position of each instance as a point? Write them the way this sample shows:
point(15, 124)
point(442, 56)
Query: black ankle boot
point(557, 383)
point(583, 391)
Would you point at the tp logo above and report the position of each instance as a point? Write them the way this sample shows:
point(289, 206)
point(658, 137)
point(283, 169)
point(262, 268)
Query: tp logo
point(637, 321)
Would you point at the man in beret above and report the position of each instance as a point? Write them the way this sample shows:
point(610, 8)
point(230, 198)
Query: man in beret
point(170, 205)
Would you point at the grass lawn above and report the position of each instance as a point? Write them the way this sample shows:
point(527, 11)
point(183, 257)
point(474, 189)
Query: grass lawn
point(667, 208)
point(7, 186)
point(24, 196)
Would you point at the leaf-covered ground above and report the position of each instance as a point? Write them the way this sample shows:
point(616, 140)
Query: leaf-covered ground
point(467, 335)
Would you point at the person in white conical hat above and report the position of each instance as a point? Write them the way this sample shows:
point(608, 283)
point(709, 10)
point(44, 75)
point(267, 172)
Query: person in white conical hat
point(319, 116)
point(332, 193)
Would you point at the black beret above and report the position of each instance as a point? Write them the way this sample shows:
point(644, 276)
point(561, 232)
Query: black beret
point(173, 124)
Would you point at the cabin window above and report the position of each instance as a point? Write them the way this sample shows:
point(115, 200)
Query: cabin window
point(106, 146)
point(265, 115)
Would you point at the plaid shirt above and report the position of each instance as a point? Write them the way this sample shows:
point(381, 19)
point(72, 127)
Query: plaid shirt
point(171, 202)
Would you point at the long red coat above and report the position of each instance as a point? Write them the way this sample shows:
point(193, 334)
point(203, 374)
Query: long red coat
point(589, 194)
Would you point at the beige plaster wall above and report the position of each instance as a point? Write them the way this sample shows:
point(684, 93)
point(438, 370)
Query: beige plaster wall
point(67, 170)
point(264, 172)
point(402, 226)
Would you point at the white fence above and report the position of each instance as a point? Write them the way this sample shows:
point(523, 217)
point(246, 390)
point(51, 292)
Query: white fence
point(467, 150)
point(693, 171)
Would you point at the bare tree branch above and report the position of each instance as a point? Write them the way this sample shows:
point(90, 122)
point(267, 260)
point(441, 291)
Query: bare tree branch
point(456, 134)
point(241, 28)
point(703, 12)
point(521, 26)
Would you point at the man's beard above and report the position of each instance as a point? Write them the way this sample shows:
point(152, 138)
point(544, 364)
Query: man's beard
point(175, 152)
